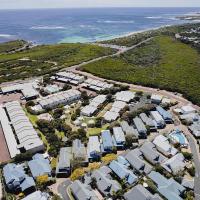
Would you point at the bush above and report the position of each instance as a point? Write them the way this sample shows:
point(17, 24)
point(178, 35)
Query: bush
point(108, 158)
point(77, 173)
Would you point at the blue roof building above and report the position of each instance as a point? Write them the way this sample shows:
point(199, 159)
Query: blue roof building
point(165, 114)
point(169, 188)
point(123, 172)
point(107, 142)
point(39, 166)
point(16, 179)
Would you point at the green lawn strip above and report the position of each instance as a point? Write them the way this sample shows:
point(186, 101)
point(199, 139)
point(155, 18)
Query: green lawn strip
point(96, 131)
point(164, 63)
point(11, 45)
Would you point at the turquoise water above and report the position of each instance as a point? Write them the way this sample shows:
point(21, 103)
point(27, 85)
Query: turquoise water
point(83, 25)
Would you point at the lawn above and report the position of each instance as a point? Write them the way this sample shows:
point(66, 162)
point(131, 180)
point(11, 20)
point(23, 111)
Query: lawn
point(163, 63)
point(46, 59)
point(96, 131)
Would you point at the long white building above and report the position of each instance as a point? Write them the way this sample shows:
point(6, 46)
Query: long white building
point(65, 97)
point(27, 137)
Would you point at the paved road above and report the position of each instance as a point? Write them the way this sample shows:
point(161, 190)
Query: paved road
point(62, 189)
point(120, 51)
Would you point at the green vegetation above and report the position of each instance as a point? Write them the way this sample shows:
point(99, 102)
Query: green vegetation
point(46, 59)
point(11, 46)
point(163, 63)
point(139, 37)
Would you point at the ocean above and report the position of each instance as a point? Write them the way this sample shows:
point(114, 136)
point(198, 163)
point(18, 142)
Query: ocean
point(47, 26)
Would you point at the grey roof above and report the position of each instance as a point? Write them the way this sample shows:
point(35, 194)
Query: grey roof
point(140, 125)
point(37, 195)
point(129, 130)
point(125, 96)
point(151, 154)
point(82, 192)
point(93, 145)
point(148, 121)
point(175, 164)
point(39, 166)
point(26, 134)
point(110, 116)
point(119, 134)
point(59, 98)
point(137, 162)
point(27, 183)
point(79, 150)
point(64, 158)
point(8, 133)
point(164, 146)
point(157, 117)
point(188, 183)
point(27, 89)
point(140, 193)
point(105, 183)
point(169, 188)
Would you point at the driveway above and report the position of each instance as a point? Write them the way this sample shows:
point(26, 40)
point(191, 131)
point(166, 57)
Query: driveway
point(62, 189)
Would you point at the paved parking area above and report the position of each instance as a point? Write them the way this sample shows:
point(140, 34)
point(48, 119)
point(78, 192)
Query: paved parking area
point(4, 153)
point(11, 97)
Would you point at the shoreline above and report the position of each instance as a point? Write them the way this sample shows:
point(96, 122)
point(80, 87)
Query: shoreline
point(112, 37)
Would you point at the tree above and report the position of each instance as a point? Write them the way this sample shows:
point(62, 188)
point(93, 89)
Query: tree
point(93, 183)
point(56, 197)
point(77, 173)
point(67, 87)
point(191, 171)
point(108, 158)
point(23, 157)
point(159, 168)
point(151, 186)
point(98, 123)
point(187, 155)
point(58, 112)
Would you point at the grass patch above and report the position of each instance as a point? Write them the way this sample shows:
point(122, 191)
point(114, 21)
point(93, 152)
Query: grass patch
point(46, 59)
point(96, 131)
point(163, 63)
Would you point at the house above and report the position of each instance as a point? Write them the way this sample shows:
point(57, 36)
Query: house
point(107, 142)
point(140, 127)
point(81, 191)
point(136, 160)
point(163, 146)
point(96, 85)
point(122, 172)
point(110, 116)
point(118, 137)
point(28, 90)
point(125, 96)
point(68, 77)
point(151, 154)
point(156, 98)
point(195, 129)
point(188, 183)
point(92, 108)
point(94, 148)
point(158, 118)
point(51, 89)
point(175, 164)
point(39, 166)
point(105, 184)
point(79, 152)
point(117, 106)
point(140, 193)
point(37, 195)
point(129, 130)
point(16, 180)
point(168, 188)
point(187, 109)
point(64, 163)
point(165, 114)
point(148, 122)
